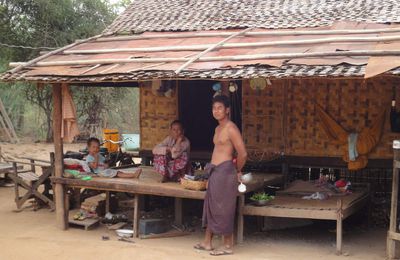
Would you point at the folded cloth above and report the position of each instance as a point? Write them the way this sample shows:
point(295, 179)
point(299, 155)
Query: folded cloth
point(352, 140)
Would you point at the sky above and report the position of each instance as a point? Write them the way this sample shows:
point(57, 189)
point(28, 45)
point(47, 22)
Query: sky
point(115, 2)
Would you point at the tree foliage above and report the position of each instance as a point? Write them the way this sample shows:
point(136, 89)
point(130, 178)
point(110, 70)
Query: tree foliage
point(49, 23)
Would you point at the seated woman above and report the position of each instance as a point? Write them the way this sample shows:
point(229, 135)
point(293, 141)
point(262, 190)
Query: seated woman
point(171, 156)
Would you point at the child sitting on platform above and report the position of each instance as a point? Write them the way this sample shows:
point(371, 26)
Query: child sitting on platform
point(98, 165)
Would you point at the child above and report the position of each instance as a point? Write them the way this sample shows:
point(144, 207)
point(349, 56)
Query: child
point(98, 165)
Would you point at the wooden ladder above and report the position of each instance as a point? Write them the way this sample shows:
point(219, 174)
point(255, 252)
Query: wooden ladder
point(7, 125)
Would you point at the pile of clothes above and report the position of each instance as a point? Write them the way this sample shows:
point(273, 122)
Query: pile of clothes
point(339, 187)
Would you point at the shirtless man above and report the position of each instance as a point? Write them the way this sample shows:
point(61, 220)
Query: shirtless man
point(220, 201)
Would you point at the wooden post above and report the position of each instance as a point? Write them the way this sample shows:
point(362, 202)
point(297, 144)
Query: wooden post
point(136, 215)
point(107, 201)
point(285, 172)
point(33, 168)
point(61, 212)
point(240, 219)
point(391, 243)
point(339, 227)
point(16, 187)
point(178, 211)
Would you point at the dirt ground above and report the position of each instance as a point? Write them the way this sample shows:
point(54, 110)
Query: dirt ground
point(33, 235)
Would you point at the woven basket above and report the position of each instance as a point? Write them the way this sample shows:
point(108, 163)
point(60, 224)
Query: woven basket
point(194, 185)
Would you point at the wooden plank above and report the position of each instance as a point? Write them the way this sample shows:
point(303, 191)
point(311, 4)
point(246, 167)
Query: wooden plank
point(355, 206)
point(61, 214)
point(145, 189)
point(394, 235)
point(36, 160)
point(264, 56)
point(5, 167)
point(268, 211)
point(206, 48)
point(29, 176)
point(172, 233)
point(263, 33)
point(149, 185)
point(119, 225)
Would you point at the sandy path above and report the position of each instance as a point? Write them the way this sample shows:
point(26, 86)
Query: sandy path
point(33, 235)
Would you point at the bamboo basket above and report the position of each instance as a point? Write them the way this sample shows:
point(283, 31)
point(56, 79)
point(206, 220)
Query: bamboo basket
point(194, 185)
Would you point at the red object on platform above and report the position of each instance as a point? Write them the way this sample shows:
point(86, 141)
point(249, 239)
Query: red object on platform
point(340, 183)
point(77, 167)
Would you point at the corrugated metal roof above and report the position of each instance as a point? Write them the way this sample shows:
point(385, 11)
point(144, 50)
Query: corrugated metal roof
point(342, 70)
point(106, 71)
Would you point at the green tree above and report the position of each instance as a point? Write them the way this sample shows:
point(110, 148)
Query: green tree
point(47, 23)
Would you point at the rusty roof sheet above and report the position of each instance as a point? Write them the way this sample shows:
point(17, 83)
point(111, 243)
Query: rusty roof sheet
point(325, 66)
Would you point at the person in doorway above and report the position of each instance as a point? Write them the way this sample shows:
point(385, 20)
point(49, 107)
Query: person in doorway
point(224, 176)
point(97, 162)
point(171, 156)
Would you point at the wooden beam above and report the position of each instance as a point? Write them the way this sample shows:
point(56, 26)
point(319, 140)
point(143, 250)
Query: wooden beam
point(265, 33)
point(222, 45)
point(136, 215)
point(339, 227)
point(210, 48)
point(178, 211)
point(391, 243)
point(240, 221)
point(8, 122)
point(61, 213)
point(267, 211)
point(3, 125)
point(267, 56)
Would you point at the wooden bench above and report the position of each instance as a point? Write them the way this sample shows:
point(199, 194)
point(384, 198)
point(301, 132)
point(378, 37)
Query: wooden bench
point(334, 208)
point(30, 181)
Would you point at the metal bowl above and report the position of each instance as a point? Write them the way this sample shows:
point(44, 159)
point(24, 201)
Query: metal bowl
point(261, 202)
point(124, 233)
point(246, 178)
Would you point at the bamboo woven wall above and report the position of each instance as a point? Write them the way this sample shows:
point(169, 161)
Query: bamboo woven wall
point(156, 114)
point(282, 117)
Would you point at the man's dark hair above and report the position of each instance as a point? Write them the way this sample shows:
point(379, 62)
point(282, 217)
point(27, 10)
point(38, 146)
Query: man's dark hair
point(176, 122)
point(223, 100)
point(92, 140)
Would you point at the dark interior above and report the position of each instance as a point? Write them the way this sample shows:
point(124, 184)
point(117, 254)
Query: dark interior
point(195, 97)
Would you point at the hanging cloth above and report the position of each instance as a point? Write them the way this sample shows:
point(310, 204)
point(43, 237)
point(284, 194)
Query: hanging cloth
point(69, 123)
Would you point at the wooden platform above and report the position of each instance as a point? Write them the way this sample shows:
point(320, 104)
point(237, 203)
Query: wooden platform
point(295, 207)
point(335, 208)
point(86, 223)
point(149, 183)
